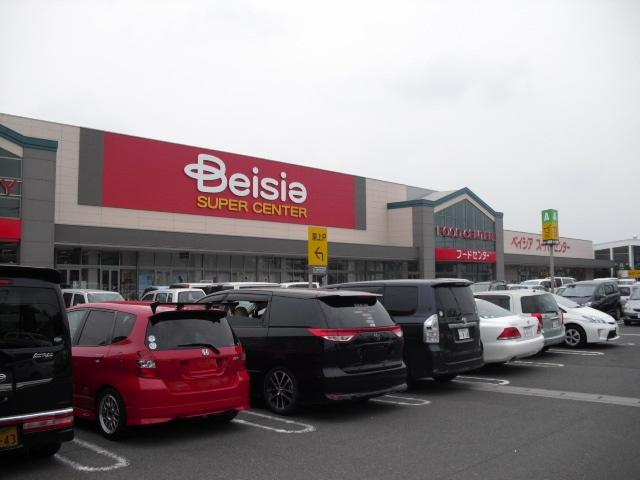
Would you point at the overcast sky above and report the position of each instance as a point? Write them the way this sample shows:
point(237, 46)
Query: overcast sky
point(530, 104)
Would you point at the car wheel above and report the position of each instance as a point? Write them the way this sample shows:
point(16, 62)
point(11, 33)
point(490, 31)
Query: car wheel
point(575, 336)
point(225, 417)
point(112, 415)
point(444, 377)
point(45, 451)
point(280, 391)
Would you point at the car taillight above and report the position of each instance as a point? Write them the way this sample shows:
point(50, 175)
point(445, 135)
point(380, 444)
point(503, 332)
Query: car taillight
point(397, 331)
point(4, 281)
point(334, 335)
point(431, 330)
point(540, 324)
point(241, 359)
point(509, 333)
point(146, 366)
point(48, 423)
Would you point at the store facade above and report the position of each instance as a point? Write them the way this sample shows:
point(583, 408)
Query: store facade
point(526, 257)
point(119, 212)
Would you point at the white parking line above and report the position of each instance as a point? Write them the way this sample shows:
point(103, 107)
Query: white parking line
point(305, 427)
point(120, 462)
point(631, 334)
point(401, 400)
point(484, 380)
point(535, 364)
point(584, 353)
point(556, 394)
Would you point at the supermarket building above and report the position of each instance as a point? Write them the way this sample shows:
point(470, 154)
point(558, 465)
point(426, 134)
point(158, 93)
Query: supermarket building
point(122, 213)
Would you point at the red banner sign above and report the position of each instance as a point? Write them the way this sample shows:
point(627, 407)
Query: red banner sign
point(147, 174)
point(464, 255)
point(10, 229)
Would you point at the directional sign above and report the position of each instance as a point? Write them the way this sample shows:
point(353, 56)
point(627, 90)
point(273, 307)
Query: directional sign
point(317, 246)
point(550, 232)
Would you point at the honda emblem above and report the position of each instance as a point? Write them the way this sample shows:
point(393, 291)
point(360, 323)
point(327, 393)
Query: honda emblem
point(3, 377)
point(205, 352)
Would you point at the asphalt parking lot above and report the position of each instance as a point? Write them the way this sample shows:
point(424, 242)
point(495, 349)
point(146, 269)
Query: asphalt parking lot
point(567, 414)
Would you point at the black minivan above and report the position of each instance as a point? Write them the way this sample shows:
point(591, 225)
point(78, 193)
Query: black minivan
point(603, 295)
point(439, 320)
point(35, 362)
point(309, 345)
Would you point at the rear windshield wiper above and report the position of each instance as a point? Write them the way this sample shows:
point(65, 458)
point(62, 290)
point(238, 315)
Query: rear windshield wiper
point(208, 345)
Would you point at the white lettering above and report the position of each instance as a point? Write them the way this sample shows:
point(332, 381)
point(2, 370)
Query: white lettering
point(239, 184)
point(269, 188)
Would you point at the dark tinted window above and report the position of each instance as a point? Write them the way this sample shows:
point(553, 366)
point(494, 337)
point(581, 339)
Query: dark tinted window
point(499, 300)
point(190, 297)
point(296, 312)
point(189, 332)
point(124, 325)
point(454, 301)
point(625, 291)
point(401, 300)
point(539, 304)
point(78, 299)
point(30, 317)
point(490, 310)
point(148, 297)
point(97, 329)
point(354, 312)
point(67, 299)
point(75, 321)
point(608, 289)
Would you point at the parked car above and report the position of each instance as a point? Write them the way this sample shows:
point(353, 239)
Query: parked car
point(540, 305)
point(602, 295)
point(174, 295)
point(516, 286)
point(36, 410)
point(299, 285)
point(625, 293)
point(538, 283)
point(206, 287)
point(626, 281)
point(506, 336)
point(77, 296)
point(632, 307)
point(151, 288)
point(137, 365)
point(307, 345)
point(487, 286)
point(562, 281)
point(585, 324)
point(439, 321)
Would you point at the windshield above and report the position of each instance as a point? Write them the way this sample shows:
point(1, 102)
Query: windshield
point(30, 317)
point(104, 297)
point(489, 310)
point(583, 290)
point(191, 296)
point(565, 302)
point(176, 333)
point(543, 303)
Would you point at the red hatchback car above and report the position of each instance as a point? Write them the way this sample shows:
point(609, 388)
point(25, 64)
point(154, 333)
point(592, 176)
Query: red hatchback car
point(141, 364)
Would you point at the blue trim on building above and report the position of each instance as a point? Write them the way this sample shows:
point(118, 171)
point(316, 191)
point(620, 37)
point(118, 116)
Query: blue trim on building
point(28, 142)
point(434, 203)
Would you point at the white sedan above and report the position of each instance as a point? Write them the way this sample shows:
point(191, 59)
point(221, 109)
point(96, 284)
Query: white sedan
point(585, 324)
point(506, 336)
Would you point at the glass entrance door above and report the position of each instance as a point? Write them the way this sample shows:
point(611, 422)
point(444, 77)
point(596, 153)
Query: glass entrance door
point(109, 280)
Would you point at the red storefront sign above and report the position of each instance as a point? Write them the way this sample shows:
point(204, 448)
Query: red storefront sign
point(10, 229)
point(465, 255)
point(147, 174)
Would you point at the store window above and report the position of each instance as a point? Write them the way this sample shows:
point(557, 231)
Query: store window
point(602, 254)
point(8, 253)
point(621, 257)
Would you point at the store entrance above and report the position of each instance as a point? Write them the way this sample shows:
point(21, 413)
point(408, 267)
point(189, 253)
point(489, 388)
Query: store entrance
point(109, 279)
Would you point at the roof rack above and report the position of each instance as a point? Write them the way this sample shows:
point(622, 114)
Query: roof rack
point(180, 305)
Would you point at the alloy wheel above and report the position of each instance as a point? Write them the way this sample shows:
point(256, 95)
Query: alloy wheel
point(109, 414)
point(280, 390)
point(573, 337)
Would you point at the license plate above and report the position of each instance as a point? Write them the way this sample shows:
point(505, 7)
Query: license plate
point(463, 333)
point(8, 437)
point(528, 332)
point(555, 324)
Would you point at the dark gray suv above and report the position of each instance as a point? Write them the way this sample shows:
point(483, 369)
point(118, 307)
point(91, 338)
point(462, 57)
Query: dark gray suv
point(603, 295)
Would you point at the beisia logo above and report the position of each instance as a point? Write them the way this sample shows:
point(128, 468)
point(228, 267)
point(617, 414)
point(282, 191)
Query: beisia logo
point(211, 175)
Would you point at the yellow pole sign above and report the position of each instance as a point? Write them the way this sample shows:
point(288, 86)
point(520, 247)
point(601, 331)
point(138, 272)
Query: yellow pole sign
point(634, 273)
point(317, 246)
point(550, 232)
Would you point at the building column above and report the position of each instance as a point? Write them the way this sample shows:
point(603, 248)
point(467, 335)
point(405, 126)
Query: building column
point(424, 238)
point(499, 248)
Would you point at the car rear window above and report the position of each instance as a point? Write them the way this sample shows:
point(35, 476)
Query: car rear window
point(190, 297)
point(354, 312)
point(175, 333)
point(104, 297)
point(539, 304)
point(489, 310)
point(295, 312)
point(454, 301)
point(401, 300)
point(625, 291)
point(30, 317)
